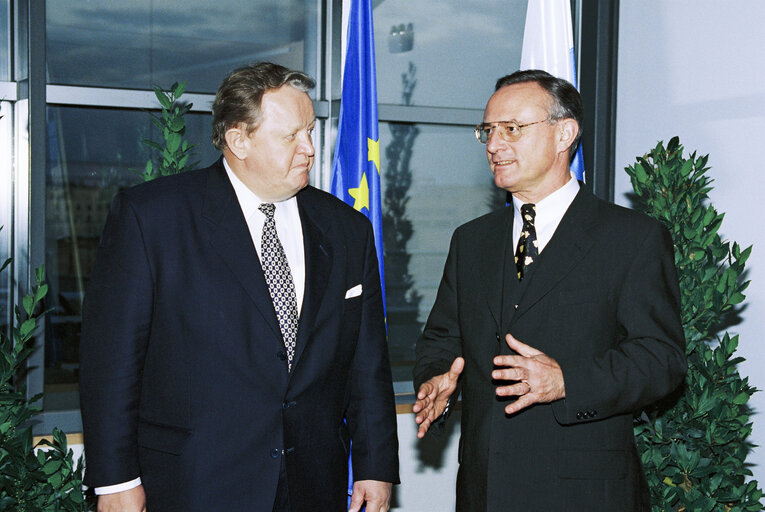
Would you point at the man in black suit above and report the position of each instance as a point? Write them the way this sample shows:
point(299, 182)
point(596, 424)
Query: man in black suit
point(557, 318)
point(233, 336)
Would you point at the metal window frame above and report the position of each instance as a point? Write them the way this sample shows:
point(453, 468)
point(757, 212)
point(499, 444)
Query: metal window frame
point(598, 36)
point(30, 97)
point(27, 99)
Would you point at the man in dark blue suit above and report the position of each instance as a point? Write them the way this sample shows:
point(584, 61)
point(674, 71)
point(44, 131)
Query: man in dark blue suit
point(233, 336)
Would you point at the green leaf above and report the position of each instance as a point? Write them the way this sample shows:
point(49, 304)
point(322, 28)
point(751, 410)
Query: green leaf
point(152, 144)
point(29, 303)
point(640, 174)
point(41, 292)
point(736, 298)
point(176, 124)
point(27, 327)
point(179, 89)
point(686, 168)
point(40, 274)
point(162, 98)
point(173, 142)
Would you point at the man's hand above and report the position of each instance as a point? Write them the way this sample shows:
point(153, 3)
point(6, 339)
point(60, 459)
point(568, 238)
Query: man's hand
point(132, 500)
point(376, 494)
point(433, 394)
point(538, 376)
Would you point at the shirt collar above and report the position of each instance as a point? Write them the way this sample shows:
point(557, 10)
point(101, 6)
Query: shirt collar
point(554, 206)
point(249, 201)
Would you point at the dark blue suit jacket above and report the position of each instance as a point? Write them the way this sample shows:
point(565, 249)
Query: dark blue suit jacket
point(183, 373)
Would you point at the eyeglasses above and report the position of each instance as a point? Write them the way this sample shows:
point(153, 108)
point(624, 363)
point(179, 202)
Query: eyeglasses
point(508, 130)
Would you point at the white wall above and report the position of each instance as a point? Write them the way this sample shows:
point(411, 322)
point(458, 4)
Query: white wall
point(696, 69)
point(428, 468)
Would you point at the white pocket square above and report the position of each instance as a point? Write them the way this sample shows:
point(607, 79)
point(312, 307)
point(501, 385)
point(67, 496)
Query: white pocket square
point(353, 292)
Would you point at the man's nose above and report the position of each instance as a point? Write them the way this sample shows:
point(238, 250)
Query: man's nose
point(495, 141)
point(306, 145)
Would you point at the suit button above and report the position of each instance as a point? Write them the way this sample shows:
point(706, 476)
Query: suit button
point(282, 355)
point(497, 335)
point(516, 306)
point(579, 416)
point(286, 405)
point(593, 414)
point(275, 453)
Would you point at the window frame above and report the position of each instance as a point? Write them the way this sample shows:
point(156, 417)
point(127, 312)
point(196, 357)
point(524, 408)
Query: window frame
point(25, 99)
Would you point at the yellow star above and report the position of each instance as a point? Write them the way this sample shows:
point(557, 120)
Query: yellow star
point(361, 194)
point(373, 152)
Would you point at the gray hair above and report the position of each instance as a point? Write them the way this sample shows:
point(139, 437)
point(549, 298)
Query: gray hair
point(566, 101)
point(239, 96)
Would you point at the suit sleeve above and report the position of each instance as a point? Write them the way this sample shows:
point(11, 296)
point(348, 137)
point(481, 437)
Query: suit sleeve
point(648, 362)
point(441, 340)
point(115, 331)
point(372, 410)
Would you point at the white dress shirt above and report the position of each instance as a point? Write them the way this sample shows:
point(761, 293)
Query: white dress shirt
point(550, 211)
point(288, 227)
point(290, 231)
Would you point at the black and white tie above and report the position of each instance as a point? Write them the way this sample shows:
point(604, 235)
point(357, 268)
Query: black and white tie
point(527, 249)
point(279, 280)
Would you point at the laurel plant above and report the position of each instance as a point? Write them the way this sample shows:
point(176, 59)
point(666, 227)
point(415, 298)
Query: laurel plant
point(41, 477)
point(172, 155)
point(695, 443)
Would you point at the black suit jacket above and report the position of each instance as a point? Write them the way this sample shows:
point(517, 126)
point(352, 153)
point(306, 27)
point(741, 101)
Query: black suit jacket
point(183, 373)
point(603, 300)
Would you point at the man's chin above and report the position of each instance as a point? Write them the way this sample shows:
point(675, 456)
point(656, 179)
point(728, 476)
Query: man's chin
point(504, 182)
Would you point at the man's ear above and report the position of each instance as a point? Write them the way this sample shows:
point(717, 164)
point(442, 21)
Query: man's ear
point(237, 141)
point(568, 129)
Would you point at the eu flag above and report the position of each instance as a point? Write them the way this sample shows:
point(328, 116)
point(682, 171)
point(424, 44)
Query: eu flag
point(356, 169)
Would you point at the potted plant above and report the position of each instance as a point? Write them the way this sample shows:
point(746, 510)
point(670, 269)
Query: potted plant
point(694, 444)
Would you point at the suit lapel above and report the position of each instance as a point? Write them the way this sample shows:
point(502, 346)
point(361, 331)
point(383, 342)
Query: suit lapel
point(500, 269)
point(231, 239)
point(572, 240)
point(318, 264)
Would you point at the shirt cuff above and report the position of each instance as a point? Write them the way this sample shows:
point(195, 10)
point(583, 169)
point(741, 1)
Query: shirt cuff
point(111, 489)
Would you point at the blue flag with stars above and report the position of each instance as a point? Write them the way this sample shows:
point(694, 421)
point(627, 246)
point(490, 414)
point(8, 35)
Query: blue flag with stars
point(356, 169)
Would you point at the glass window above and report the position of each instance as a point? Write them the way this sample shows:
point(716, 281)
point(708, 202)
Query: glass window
point(458, 48)
point(434, 178)
point(92, 153)
point(6, 193)
point(144, 43)
point(5, 41)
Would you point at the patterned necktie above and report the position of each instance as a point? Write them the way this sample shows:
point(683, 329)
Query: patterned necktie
point(527, 249)
point(279, 279)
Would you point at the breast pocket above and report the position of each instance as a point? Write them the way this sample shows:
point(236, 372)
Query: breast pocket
point(352, 314)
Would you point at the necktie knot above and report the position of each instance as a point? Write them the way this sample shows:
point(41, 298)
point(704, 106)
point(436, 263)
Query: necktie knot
point(268, 210)
point(528, 213)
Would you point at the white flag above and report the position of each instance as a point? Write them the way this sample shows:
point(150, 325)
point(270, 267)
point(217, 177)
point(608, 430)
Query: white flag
point(548, 44)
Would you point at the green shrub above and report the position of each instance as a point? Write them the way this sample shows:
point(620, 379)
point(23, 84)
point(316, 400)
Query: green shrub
point(694, 444)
